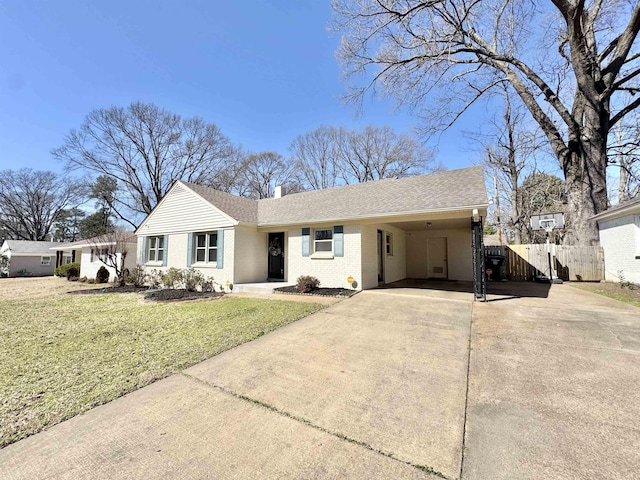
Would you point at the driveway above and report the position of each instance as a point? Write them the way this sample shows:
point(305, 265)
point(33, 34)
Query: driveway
point(380, 386)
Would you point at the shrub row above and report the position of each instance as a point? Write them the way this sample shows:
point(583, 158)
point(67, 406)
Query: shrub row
point(63, 270)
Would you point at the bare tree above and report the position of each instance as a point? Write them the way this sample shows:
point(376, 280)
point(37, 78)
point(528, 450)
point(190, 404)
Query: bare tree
point(263, 172)
point(571, 63)
point(111, 249)
point(31, 201)
point(329, 156)
point(624, 153)
point(378, 152)
point(145, 149)
point(510, 150)
point(317, 156)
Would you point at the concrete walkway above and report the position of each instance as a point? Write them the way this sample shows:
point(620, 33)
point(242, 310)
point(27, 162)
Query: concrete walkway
point(380, 386)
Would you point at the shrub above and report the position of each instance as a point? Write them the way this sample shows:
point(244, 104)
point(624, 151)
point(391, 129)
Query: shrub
point(307, 283)
point(192, 279)
point(103, 275)
point(153, 279)
point(72, 278)
point(61, 271)
point(172, 277)
point(82, 279)
point(137, 277)
point(73, 272)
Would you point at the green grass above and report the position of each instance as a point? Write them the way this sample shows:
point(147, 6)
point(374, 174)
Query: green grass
point(621, 297)
point(60, 357)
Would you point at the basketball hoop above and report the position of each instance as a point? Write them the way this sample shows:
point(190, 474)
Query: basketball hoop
point(548, 222)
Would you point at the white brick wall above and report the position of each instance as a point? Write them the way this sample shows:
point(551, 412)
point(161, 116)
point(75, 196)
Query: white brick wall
point(332, 272)
point(620, 239)
point(177, 248)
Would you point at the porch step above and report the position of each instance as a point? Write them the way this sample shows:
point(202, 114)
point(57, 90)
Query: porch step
point(265, 288)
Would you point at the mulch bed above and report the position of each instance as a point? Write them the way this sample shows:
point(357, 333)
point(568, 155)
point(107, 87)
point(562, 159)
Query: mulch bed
point(173, 294)
point(109, 289)
point(319, 292)
point(158, 295)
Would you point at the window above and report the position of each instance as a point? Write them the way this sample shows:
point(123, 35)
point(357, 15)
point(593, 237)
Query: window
point(99, 254)
point(389, 243)
point(205, 247)
point(66, 259)
point(155, 249)
point(323, 241)
point(45, 260)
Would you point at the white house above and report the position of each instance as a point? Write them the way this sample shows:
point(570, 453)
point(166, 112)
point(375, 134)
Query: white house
point(91, 252)
point(619, 229)
point(354, 236)
point(28, 258)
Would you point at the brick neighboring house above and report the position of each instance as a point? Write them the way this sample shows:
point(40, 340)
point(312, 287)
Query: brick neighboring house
point(28, 258)
point(374, 233)
point(619, 229)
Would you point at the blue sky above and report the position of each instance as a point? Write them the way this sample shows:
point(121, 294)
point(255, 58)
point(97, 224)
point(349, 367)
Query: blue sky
point(263, 71)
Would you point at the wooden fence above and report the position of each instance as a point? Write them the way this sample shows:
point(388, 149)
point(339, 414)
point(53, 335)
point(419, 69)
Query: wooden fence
point(524, 262)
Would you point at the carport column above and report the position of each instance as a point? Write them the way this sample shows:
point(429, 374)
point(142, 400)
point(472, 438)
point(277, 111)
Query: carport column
point(477, 245)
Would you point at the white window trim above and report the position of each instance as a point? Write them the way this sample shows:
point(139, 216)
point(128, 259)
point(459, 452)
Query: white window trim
point(42, 260)
point(157, 249)
point(637, 234)
point(323, 253)
point(206, 248)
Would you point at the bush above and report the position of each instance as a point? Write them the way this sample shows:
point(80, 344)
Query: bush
point(103, 275)
point(172, 278)
point(73, 273)
point(307, 283)
point(192, 279)
point(82, 279)
point(153, 279)
point(137, 277)
point(61, 271)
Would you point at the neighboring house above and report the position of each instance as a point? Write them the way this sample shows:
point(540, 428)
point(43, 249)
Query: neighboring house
point(89, 253)
point(28, 258)
point(619, 229)
point(372, 233)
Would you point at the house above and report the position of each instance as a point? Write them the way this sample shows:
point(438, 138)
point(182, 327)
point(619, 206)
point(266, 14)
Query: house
point(91, 253)
point(619, 229)
point(354, 236)
point(27, 258)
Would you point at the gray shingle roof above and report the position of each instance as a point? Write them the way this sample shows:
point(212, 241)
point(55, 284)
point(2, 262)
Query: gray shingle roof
point(622, 207)
point(25, 247)
point(449, 190)
point(239, 208)
point(129, 237)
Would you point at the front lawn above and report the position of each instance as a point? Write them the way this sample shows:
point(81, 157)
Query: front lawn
point(62, 355)
point(629, 294)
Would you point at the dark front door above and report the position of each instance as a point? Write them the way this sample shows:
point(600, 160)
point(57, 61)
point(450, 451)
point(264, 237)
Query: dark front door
point(276, 256)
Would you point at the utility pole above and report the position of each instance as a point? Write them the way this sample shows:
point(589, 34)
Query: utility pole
point(498, 225)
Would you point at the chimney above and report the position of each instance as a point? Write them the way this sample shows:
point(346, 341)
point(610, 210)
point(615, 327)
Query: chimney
point(279, 192)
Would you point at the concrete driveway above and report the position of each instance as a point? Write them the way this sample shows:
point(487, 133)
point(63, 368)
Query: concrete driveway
point(380, 386)
point(373, 386)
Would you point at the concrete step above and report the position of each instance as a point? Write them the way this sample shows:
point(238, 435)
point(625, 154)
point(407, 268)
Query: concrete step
point(266, 287)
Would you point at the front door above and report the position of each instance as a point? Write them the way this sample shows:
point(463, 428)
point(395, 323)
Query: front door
point(437, 247)
point(276, 256)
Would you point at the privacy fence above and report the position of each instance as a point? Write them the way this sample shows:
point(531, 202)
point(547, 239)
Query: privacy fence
point(525, 262)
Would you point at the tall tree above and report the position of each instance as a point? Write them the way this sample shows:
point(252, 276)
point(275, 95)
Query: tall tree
point(263, 172)
point(31, 201)
point(145, 149)
point(572, 64)
point(317, 156)
point(97, 223)
point(330, 156)
point(67, 224)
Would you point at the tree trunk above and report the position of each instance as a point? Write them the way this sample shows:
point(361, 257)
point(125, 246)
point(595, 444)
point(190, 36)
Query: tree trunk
point(586, 180)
